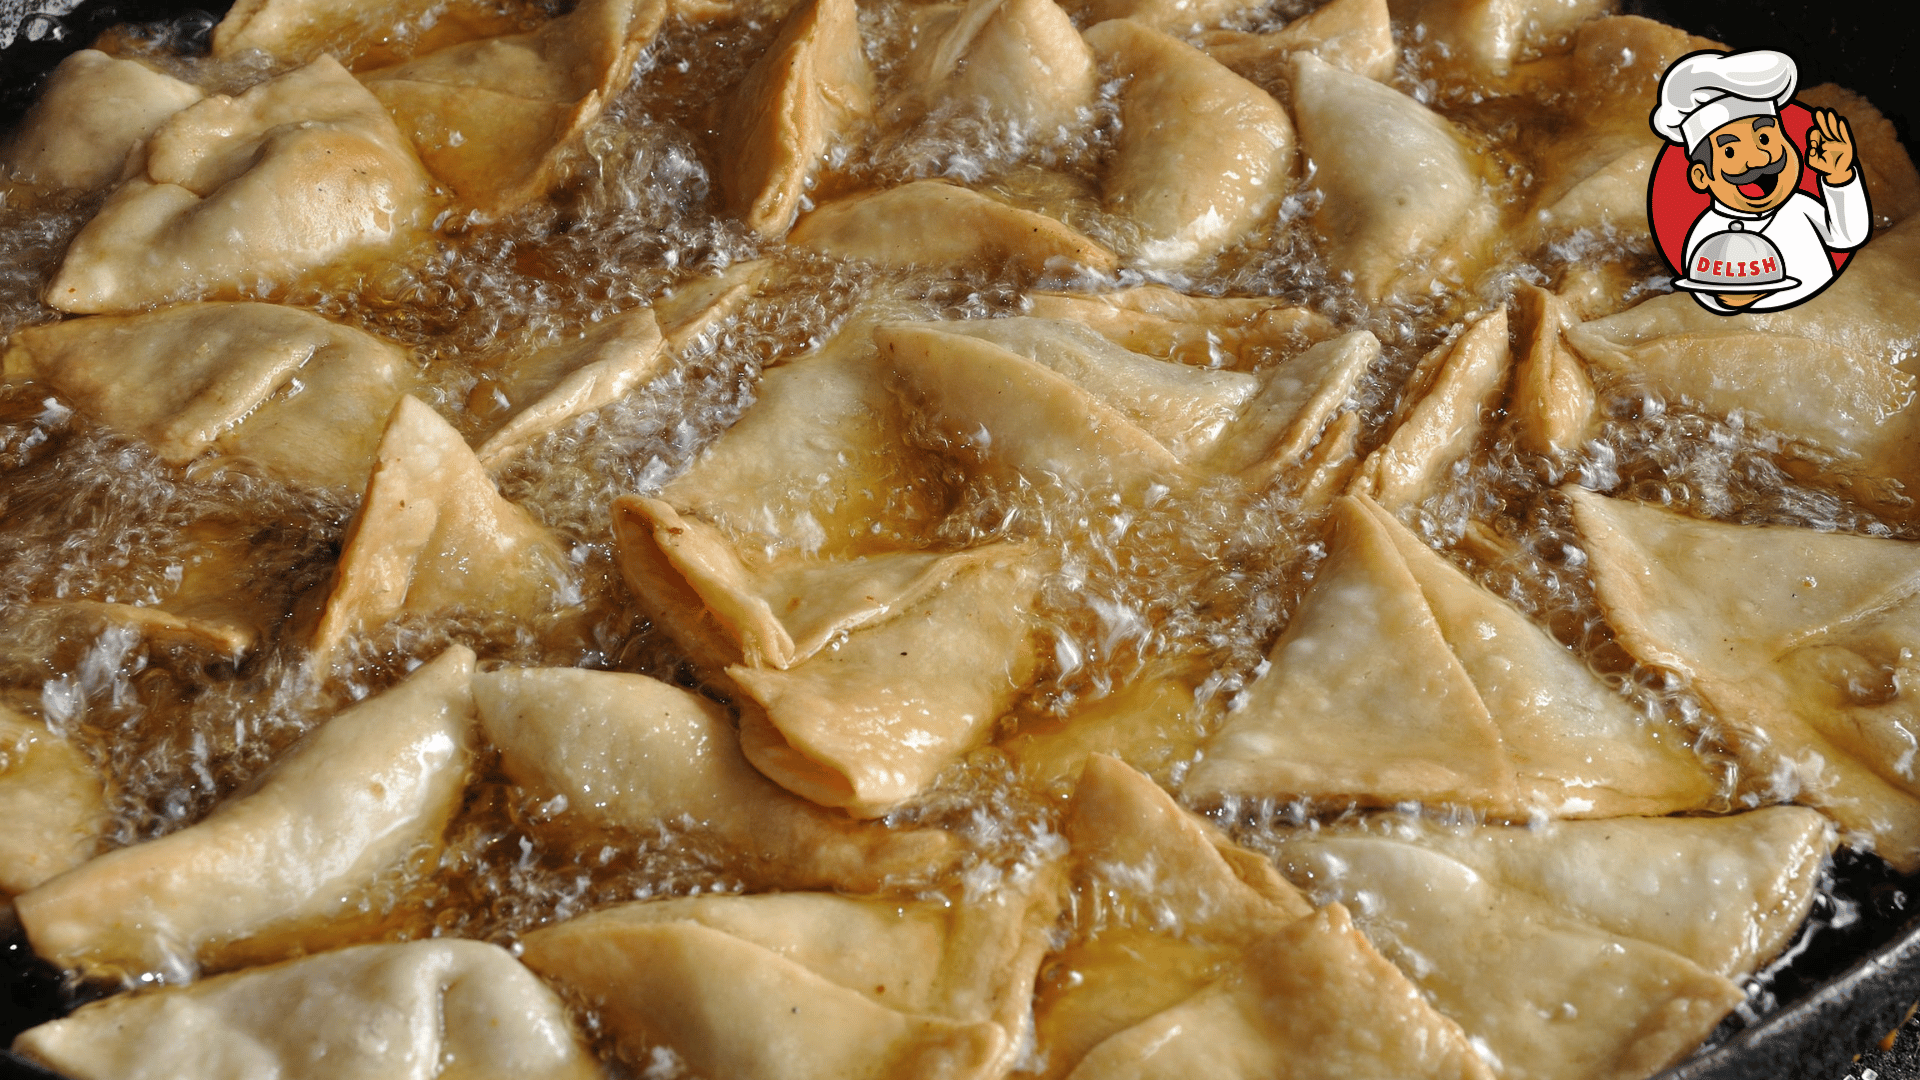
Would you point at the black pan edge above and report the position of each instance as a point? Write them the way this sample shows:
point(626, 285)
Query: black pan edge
point(1822, 1033)
point(1819, 1036)
point(15, 1067)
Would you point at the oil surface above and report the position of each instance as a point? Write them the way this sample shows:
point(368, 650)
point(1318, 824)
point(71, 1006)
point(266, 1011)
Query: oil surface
point(1198, 583)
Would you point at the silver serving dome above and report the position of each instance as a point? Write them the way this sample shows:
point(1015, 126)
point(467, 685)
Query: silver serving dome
point(1736, 261)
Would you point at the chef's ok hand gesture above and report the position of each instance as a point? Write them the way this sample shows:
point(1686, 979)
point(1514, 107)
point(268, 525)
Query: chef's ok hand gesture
point(1830, 147)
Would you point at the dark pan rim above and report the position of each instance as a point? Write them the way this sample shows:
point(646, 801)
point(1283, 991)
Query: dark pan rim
point(1821, 1031)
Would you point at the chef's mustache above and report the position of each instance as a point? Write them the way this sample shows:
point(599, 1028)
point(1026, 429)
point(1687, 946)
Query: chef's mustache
point(1757, 172)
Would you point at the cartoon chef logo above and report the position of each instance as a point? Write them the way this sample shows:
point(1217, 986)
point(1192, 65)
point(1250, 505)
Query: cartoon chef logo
point(1758, 199)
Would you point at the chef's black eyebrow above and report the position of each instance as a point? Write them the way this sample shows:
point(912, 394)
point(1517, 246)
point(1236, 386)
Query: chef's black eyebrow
point(1758, 123)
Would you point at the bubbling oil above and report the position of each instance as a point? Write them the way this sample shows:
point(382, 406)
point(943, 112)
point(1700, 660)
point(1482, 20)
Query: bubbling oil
point(1206, 578)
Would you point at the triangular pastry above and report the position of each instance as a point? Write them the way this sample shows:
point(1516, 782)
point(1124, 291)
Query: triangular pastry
point(732, 1008)
point(1547, 994)
point(1605, 202)
point(1491, 712)
point(807, 91)
point(1047, 398)
point(1177, 18)
point(1301, 401)
point(777, 613)
point(221, 603)
point(432, 535)
point(359, 33)
point(1485, 38)
point(371, 1012)
point(1404, 203)
point(697, 12)
point(1123, 828)
point(1194, 957)
point(870, 661)
point(1327, 471)
point(1203, 155)
point(220, 599)
point(831, 414)
point(690, 314)
point(93, 110)
point(1799, 640)
point(767, 546)
point(802, 985)
point(300, 396)
point(1159, 890)
point(1149, 723)
point(1442, 420)
point(229, 632)
point(491, 117)
point(1591, 163)
point(869, 723)
point(1728, 893)
point(1203, 331)
point(1575, 743)
point(1356, 35)
point(299, 172)
point(632, 752)
point(1833, 371)
point(282, 861)
point(765, 562)
point(1020, 62)
point(534, 393)
point(1182, 408)
point(731, 608)
point(1364, 700)
point(970, 962)
point(1594, 291)
point(1551, 408)
point(1313, 1001)
point(1010, 413)
point(936, 224)
point(52, 800)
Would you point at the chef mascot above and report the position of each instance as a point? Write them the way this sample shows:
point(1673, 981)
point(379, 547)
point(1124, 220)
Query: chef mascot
point(1761, 244)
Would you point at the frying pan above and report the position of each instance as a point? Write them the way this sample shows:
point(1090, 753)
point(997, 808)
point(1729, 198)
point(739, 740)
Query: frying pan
point(1857, 969)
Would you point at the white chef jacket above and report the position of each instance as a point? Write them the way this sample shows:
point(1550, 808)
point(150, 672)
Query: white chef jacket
point(1804, 231)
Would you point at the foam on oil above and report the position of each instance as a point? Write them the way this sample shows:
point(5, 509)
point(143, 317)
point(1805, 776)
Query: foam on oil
point(1206, 576)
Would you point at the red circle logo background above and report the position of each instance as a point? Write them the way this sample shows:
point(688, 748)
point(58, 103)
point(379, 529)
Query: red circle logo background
point(1673, 206)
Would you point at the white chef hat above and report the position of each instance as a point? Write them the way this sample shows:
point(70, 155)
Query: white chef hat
point(1707, 89)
